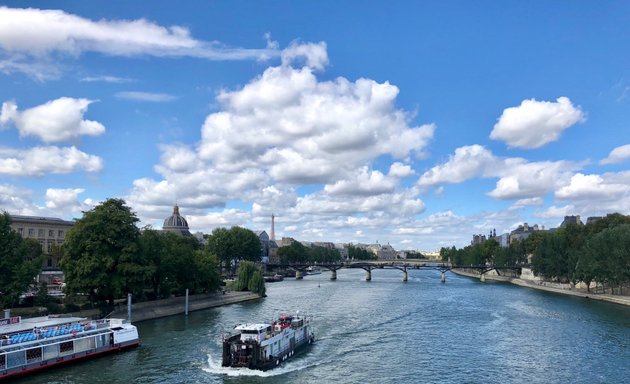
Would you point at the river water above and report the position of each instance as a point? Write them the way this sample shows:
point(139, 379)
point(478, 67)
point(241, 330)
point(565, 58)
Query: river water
point(387, 331)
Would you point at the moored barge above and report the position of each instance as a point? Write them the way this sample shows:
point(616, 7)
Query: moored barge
point(27, 345)
point(265, 345)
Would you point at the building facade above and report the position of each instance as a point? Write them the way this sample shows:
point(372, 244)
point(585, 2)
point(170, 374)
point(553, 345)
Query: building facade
point(48, 231)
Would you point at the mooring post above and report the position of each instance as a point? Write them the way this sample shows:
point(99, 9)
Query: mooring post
point(405, 276)
point(443, 277)
point(333, 275)
point(186, 309)
point(129, 307)
point(368, 274)
point(298, 275)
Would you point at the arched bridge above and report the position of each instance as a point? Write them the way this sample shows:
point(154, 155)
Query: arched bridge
point(302, 268)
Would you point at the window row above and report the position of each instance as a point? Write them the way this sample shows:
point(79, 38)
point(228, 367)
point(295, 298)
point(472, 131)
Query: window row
point(40, 232)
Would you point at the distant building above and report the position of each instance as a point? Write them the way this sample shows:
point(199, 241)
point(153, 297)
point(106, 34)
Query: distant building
point(273, 251)
point(522, 232)
point(201, 238)
point(176, 224)
point(478, 239)
point(568, 220)
point(503, 240)
point(387, 253)
point(343, 250)
point(593, 219)
point(323, 244)
point(382, 252)
point(264, 245)
point(48, 231)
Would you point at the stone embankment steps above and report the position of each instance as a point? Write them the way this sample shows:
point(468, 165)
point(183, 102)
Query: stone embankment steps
point(623, 300)
point(168, 307)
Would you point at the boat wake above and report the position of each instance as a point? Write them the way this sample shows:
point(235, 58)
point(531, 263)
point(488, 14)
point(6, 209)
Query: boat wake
point(288, 367)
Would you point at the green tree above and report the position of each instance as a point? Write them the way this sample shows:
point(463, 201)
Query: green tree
point(356, 253)
point(250, 278)
point(101, 253)
point(207, 277)
point(20, 261)
point(294, 253)
point(607, 256)
point(233, 245)
point(152, 252)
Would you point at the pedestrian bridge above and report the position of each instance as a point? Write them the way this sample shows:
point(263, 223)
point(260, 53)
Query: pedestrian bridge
point(402, 265)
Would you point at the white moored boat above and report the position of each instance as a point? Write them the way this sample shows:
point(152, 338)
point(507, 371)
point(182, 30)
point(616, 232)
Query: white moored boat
point(36, 343)
point(264, 346)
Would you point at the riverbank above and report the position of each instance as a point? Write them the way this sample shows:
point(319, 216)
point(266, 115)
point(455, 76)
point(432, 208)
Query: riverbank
point(168, 307)
point(623, 300)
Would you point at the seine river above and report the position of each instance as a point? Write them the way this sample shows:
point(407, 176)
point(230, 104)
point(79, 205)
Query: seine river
point(387, 331)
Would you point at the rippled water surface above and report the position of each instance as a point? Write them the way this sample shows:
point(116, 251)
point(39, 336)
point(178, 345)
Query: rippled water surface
point(387, 331)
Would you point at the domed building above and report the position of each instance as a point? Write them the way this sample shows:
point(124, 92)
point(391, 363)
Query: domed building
point(176, 223)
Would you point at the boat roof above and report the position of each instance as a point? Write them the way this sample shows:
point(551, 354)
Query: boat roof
point(252, 327)
point(40, 322)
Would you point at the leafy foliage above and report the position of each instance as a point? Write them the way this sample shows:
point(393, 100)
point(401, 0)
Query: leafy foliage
point(296, 252)
point(233, 245)
point(20, 261)
point(356, 253)
point(177, 263)
point(106, 256)
point(598, 251)
point(477, 254)
point(100, 252)
point(250, 278)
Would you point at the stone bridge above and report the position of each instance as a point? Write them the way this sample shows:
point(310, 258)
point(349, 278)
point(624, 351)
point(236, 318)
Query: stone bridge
point(402, 265)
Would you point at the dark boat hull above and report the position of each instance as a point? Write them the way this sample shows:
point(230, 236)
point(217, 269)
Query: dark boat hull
point(251, 361)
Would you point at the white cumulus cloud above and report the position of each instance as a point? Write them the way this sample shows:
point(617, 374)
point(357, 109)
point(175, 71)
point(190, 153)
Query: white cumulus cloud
point(16, 200)
point(605, 187)
point(536, 123)
point(39, 161)
point(284, 129)
point(66, 200)
point(517, 178)
point(617, 155)
point(528, 180)
point(466, 163)
point(59, 120)
point(365, 183)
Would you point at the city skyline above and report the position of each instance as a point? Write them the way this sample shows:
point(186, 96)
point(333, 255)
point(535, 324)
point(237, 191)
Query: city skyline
point(417, 125)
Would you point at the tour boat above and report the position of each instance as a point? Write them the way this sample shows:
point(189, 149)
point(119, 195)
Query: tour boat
point(264, 346)
point(28, 345)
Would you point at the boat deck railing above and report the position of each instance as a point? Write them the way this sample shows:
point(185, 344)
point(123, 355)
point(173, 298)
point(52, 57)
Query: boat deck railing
point(51, 335)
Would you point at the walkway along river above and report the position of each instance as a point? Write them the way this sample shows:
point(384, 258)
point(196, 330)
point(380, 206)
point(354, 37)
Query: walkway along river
point(387, 331)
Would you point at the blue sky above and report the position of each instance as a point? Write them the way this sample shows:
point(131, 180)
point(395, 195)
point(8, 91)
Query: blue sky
point(414, 123)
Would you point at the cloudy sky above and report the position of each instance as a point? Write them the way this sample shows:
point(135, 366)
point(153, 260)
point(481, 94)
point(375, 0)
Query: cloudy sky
point(417, 124)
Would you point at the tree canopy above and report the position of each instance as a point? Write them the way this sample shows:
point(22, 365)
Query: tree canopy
point(20, 261)
point(233, 245)
point(177, 263)
point(598, 251)
point(100, 252)
point(356, 253)
point(107, 256)
point(296, 252)
point(250, 278)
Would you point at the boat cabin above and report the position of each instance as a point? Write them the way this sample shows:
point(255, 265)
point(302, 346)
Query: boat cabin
point(253, 332)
